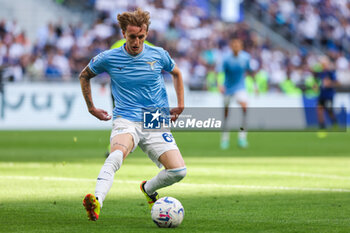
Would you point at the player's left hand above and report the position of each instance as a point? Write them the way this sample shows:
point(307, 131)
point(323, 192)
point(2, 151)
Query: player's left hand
point(175, 112)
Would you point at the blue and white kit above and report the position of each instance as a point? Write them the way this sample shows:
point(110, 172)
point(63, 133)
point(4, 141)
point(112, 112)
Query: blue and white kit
point(234, 68)
point(137, 84)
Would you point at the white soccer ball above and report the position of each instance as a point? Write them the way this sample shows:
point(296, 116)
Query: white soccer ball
point(167, 212)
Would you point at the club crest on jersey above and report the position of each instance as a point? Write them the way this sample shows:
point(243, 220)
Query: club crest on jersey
point(151, 64)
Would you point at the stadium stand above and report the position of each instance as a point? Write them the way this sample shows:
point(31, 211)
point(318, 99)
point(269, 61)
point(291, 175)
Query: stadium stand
point(322, 24)
point(196, 38)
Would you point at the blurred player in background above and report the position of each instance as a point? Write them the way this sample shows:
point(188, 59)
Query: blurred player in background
point(327, 82)
point(235, 67)
point(137, 83)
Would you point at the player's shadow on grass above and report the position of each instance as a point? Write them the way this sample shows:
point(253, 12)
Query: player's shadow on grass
point(242, 212)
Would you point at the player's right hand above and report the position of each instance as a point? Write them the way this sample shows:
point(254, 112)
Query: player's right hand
point(100, 114)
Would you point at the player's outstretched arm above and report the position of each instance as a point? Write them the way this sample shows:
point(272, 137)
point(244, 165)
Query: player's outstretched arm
point(179, 88)
point(84, 78)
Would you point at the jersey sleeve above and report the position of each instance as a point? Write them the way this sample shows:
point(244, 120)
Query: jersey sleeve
point(98, 63)
point(167, 61)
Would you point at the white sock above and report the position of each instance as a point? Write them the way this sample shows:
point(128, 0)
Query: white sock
point(165, 178)
point(106, 176)
point(225, 136)
point(242, 134)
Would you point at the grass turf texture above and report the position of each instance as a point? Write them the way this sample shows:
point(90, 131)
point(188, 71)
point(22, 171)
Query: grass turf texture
point(284, 182)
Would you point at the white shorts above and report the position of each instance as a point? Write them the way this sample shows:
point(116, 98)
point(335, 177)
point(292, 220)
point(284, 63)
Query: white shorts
point(240, 96)
point(154, 144)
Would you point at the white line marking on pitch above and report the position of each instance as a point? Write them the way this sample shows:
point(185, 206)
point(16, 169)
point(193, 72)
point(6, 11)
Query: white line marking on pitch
point(47, 178)
point(335, 177)
point(280, 173)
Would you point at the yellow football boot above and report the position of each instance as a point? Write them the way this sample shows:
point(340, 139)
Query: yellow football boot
point(92, 206)
point(151, 199)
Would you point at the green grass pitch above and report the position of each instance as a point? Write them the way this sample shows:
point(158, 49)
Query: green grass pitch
point(284, 182)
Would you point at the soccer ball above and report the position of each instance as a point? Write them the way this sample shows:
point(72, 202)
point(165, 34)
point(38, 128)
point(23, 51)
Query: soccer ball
point(167, 212)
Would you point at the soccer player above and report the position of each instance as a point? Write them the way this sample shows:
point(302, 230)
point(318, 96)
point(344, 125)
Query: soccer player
point(116, 45)
point(137, 83)
point(328, 82)
point(234, 67)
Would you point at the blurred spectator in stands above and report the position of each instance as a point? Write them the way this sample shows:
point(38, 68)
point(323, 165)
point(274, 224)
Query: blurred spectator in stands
point(52, 71)
point(65, 41)
point(62, 63)
point(35, 68)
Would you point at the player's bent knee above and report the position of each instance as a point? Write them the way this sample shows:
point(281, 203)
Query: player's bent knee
point(177, 174)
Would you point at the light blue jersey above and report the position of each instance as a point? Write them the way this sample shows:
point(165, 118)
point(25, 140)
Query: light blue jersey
point(234, 69)
point(137, 81)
